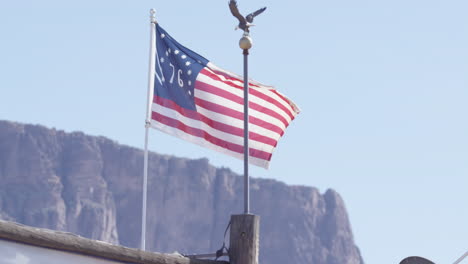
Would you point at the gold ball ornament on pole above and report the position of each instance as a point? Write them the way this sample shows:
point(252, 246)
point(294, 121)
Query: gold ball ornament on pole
point(245, 42)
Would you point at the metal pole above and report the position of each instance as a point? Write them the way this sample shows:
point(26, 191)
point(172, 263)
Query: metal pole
point(461, 258)
point(246, 134)
point(245, 43)
point(145, 190)
point(147, 126)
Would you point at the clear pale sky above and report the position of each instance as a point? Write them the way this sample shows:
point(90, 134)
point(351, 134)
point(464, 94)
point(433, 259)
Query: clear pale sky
point(383, 88)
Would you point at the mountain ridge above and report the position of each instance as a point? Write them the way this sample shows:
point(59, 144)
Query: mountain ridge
point(91, 185)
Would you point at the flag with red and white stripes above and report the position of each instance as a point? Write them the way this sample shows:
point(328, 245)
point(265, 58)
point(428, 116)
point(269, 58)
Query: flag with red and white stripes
point(201, 103)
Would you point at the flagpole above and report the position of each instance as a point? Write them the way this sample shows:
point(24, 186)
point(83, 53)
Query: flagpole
point(244, 235)
point(246, 134)
point(147, 125)
point(245, 44)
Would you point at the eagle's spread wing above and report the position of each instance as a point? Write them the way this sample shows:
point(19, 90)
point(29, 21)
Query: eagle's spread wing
point(251, 16)
point(235, 12)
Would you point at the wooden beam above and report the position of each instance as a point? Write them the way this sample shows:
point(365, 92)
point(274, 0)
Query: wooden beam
point(73, 243)
point(244, 239)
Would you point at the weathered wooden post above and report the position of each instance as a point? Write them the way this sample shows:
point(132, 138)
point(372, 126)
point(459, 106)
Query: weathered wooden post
point(244, 239)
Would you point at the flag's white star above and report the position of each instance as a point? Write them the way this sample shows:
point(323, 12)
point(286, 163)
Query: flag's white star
point(189, 92)
point(187, 63)
point(189, 72)
point(189, 82)
point(167, 54)
point(176, 52)
point(169, 50)
point(183, 56)
point(162, 60)
point(162, 35)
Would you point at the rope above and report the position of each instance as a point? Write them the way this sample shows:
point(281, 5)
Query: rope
point(219, 252)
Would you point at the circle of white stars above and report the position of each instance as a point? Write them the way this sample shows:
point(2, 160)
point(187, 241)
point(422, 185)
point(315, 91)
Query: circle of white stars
point(183, 56)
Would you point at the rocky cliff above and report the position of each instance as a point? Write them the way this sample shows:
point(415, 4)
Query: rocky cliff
point(91, 186)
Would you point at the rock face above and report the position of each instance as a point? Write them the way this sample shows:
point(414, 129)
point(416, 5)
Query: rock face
point(91, 186)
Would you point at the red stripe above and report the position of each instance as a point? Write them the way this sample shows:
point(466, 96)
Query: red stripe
point(237, 99)
point(285, 100)
point(203, 134)
point(238, 115)
point(272, 101)
point(253, 91)
point(212, 123)
point(229, 80)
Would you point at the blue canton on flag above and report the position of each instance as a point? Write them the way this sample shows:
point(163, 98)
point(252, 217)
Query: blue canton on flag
point(176, 70)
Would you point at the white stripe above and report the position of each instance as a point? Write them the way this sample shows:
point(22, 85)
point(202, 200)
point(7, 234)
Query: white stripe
point(264, 88)
point(202, 142)
point(240, 93)
point(208, 129)
point(267, 91)
point(238, 107)
point(238, 123)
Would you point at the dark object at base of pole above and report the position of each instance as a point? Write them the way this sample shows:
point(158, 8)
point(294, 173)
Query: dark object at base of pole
point(244, 239)
point(416, 260)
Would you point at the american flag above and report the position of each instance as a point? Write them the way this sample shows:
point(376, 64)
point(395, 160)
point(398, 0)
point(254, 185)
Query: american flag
point(201, 103)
